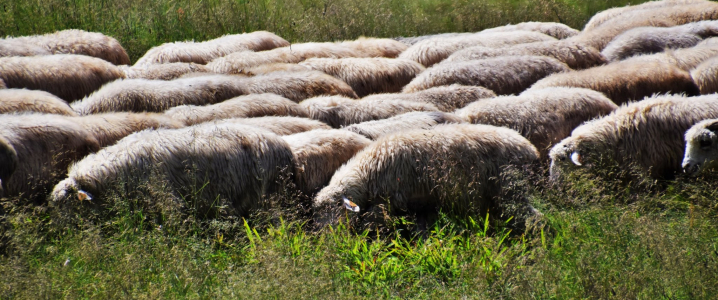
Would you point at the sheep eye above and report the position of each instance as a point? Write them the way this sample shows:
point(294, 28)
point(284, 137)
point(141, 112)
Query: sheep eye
point(705, 143)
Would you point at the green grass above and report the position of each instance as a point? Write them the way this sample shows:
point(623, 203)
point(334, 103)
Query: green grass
point(139, 24)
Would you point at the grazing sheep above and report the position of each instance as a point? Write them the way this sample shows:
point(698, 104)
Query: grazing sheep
point(504, 74)
point(453, 167)
point(108, 128)
point(22, 100)
point(603, 16)
point(626, 80)
point(166, 71)
point(700, 153)
point(447, 98)
point(573, 54)
point(283, 125)
point(408, 121)
point(339, 111)
point(372, 47)
point(237, 62)
point(368, 75)
point(431, 51)
point(234, 163)
point(319, 153)
point(204, 52)
point(14, 47)
point(298, 86)
point(647, 134)
point(74, 41)
point(646, 40)
point(276, 67)
point(142, 95)
point(67, 76)
point(556, 30)
point(544, 116)
point(705, 76)
point(249, 106)
point(35, 151)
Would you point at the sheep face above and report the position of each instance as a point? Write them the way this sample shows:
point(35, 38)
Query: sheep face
point(566, 155)
point(701, 148)
point(329, 204)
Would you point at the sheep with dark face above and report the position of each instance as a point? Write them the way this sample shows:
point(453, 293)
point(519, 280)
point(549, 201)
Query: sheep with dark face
point(408, 121)
point(646, 40)
point(23, 100)
point(447, 98)
point(339, 111)
point(74, 41)
point(648, 134)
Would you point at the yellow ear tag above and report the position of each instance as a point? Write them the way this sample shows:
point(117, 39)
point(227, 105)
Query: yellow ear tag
point(351, 206)
point(82, 195)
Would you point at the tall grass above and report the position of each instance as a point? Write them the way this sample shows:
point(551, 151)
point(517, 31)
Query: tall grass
point(139, 24)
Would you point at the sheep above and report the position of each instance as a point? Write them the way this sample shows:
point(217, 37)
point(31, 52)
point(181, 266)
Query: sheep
point(432, 51)
point(368, 75)
point(67, 76)
point(23, 100)
point(210, 163)
point(35, 151)
point(204, 52)
point(408, 121)
point(74, 41)
point(450, 167)
point(556, 30)
point(700, 151)
point(642, 40)
point(282, 125)
point(166, 71)
point(248, 106)
point(626, 80)
point(504, 74)
point(685, 59)
point(447, 98)
point(142, 95)
point(339, 111)
point(544, 116)
point(14, 47)
point(606, 15)
point(705, 76)
point(275, 67)
point(410, 41)
point(713, 41)
point(647, 134)
point(372, 47)
point(108, 128)
point(574, 55)
point(661, 17)
point(319, 153)
point(298, 86)
point(239, 61)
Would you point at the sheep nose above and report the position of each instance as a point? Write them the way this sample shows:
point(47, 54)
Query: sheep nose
point(690, 168)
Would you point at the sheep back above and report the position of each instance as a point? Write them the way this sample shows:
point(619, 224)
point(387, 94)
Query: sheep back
point(339, 111)
point(408, 121)
point(24, 100)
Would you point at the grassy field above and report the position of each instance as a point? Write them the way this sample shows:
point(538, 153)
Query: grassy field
point(599, 238)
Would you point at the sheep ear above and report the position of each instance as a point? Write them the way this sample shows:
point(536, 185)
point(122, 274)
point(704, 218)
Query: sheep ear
point(576, 158)
point(82, 195)
point(351, 206)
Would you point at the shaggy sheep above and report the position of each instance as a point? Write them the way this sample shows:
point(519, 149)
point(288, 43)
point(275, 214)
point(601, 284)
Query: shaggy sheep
point(504, 74)
point(368, 75)
point(434, 50)
point(74, 41)
point(339, 111)
point(626, 80)
point(644, 40)
point(249, 106)
point(14, 47)
point(237, 62)
point(544, 116)
point(700, 153)
point(166, 71)
point(271, 68)
point(410, 41)
point(234, 163)
point(283, 125)
point(22, 100)
point(556, 30)
point(685, 59)
point(372, 47)
point(447, 98)
point(709, 42)
point(603, 16)
point(705, 76)
point(67, 76)
point(319, 153)
point(573, 54)
point(142, 95)
point(647, 134)
point(298, 86)
point(408, 121)
point(35, 151)
point(450, 167)
point(109, 128)
point(204, 52)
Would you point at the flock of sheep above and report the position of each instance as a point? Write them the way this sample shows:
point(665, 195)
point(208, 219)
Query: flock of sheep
point(410, 123)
